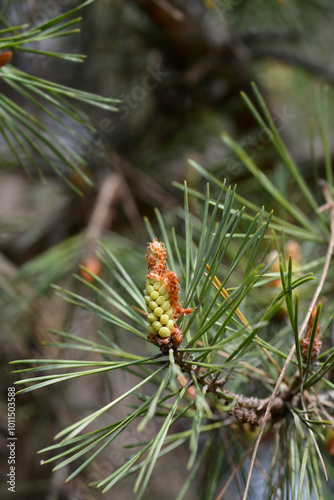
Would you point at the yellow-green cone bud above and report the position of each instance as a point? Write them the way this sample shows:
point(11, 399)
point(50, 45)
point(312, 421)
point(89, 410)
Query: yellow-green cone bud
point(154, 295)
point(164, 332)
point(160, 313)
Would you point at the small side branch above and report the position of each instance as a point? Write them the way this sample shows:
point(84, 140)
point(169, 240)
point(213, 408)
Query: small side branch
point(291, 353)
point(110, 192)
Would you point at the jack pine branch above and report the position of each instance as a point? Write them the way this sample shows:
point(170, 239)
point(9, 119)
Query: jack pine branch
point(292, 350)
point(28, 138)
point(246, 409)
point(203, 377)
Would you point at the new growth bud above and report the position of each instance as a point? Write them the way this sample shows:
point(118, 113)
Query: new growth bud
point(161, 294)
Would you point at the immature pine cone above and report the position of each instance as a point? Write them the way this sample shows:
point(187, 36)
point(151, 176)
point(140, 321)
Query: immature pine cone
point(162, 298)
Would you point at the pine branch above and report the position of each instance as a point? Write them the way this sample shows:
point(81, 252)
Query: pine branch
point(28, 138)
point(292, 350)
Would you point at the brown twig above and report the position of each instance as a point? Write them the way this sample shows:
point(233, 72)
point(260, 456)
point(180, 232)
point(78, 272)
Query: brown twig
point(110, 192)
point(145, 186)
point(233, 473)
point(230, 459)
point(172, 11)
point(130, 208)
